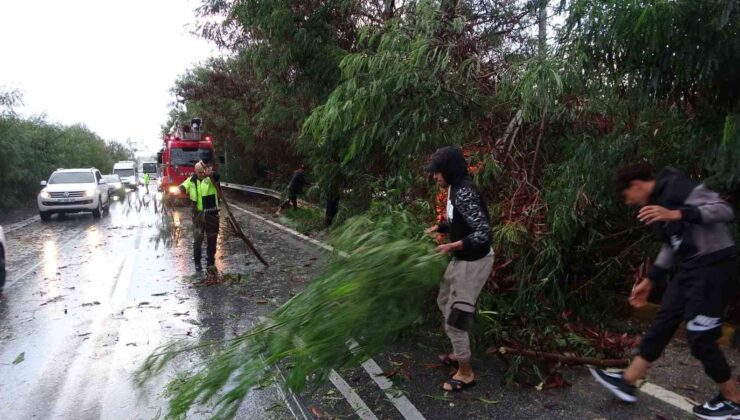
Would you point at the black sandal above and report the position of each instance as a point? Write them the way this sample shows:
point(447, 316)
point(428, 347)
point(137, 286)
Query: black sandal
point(457, 385)
point(447, 361)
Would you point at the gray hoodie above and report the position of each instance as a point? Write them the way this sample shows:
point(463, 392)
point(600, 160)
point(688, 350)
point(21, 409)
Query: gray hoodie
point(702, 236)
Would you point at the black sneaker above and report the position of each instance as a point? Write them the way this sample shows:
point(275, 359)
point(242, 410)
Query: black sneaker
point(718, 408)
point(615, 383)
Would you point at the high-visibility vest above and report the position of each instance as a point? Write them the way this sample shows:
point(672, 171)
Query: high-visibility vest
point(197, 189)
point(146, 179)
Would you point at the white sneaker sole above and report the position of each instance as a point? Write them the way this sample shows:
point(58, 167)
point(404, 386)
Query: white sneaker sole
point(728, 417)
point(613, 389)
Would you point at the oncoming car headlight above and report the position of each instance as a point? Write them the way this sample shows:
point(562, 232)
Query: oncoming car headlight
point(174, 190)
point(90, 192)
point(45, 194)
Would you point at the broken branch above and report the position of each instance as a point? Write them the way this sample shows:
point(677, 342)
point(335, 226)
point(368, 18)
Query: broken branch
point(566, 360)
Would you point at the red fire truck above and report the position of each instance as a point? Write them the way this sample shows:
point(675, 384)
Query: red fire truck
point(184, 146)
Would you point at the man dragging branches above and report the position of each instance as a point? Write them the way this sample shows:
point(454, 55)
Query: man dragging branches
point(469, 227)
point(699, 250)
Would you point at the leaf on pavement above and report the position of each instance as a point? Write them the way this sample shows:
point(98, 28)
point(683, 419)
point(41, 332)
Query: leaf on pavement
point(483, 400)
point(21, 357)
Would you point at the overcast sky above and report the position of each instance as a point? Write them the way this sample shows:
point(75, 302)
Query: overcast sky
point(107, 64)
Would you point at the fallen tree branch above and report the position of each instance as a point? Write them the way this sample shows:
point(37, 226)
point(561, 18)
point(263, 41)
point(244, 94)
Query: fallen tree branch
point(566, 360)
point(238, 230)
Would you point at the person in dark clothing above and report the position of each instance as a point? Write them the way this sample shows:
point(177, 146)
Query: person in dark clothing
point(201, 190)
point(295, 188)
point(332, 208)
point(699, 251)
point(469, 228)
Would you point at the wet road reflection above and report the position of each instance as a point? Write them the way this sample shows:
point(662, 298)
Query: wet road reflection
point(89, 299)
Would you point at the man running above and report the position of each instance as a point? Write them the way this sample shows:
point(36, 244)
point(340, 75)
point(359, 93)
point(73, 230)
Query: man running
point(699, 250)
point(469, 227)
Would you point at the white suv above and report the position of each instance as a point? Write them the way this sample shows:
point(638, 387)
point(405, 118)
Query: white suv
point(73, 190)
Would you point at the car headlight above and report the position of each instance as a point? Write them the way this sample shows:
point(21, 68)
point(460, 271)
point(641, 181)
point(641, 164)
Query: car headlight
point(174, 190)
point(90, 192)
point(116, 185)
point(45, 194)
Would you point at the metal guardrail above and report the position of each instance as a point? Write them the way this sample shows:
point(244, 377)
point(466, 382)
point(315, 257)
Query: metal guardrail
point(254, 190)
point(264, 191)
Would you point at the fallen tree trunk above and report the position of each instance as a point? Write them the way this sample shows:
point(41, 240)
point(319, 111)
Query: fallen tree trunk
point(566, 360)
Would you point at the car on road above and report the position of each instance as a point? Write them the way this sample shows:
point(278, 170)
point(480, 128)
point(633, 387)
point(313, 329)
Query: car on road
point(72, 191)
point(115, 185)
point(2, 258)
point(128, 173)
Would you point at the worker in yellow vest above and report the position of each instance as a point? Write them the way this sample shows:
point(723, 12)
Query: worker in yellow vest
point(201, 188)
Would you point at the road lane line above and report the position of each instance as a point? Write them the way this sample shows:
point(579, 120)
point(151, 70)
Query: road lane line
point(402, 404)
point(280, 389)
point(667, 396)
point(289, 230)
point(358, 405)
point(15, 279)
point(349, 394)
point(23, 223)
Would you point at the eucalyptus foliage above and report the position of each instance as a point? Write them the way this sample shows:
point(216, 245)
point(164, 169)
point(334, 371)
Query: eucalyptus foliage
point(352, 310)
point(365, 91)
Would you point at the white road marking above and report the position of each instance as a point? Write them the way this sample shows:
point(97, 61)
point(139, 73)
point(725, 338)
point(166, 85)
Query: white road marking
point(297, 403)
point(361, 409)
point(667, 396)
point(17, 277)
point(21, 224)
point(402, 404)
point(290, 231)
point(349, 394)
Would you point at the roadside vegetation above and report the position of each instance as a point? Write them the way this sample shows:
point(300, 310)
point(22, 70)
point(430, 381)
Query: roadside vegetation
point(32, 148)
point(363, 92)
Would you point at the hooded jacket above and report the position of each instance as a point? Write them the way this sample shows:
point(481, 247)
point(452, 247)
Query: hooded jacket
point(702, 237)
point(469, 220)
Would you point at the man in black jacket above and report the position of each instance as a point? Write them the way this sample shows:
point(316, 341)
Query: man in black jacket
point(295, 188)
point(469, 228)
point(699, 250)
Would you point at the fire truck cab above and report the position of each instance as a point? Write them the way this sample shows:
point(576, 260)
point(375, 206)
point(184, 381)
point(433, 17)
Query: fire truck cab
point(184, 146)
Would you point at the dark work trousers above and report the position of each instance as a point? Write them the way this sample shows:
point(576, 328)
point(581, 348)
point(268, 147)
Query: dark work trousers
point(292, 199)
point(205, 224)
point(332, 208)
point(698, 296)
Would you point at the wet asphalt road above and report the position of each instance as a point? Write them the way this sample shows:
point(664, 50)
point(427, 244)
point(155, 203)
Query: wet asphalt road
point(87, 300)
